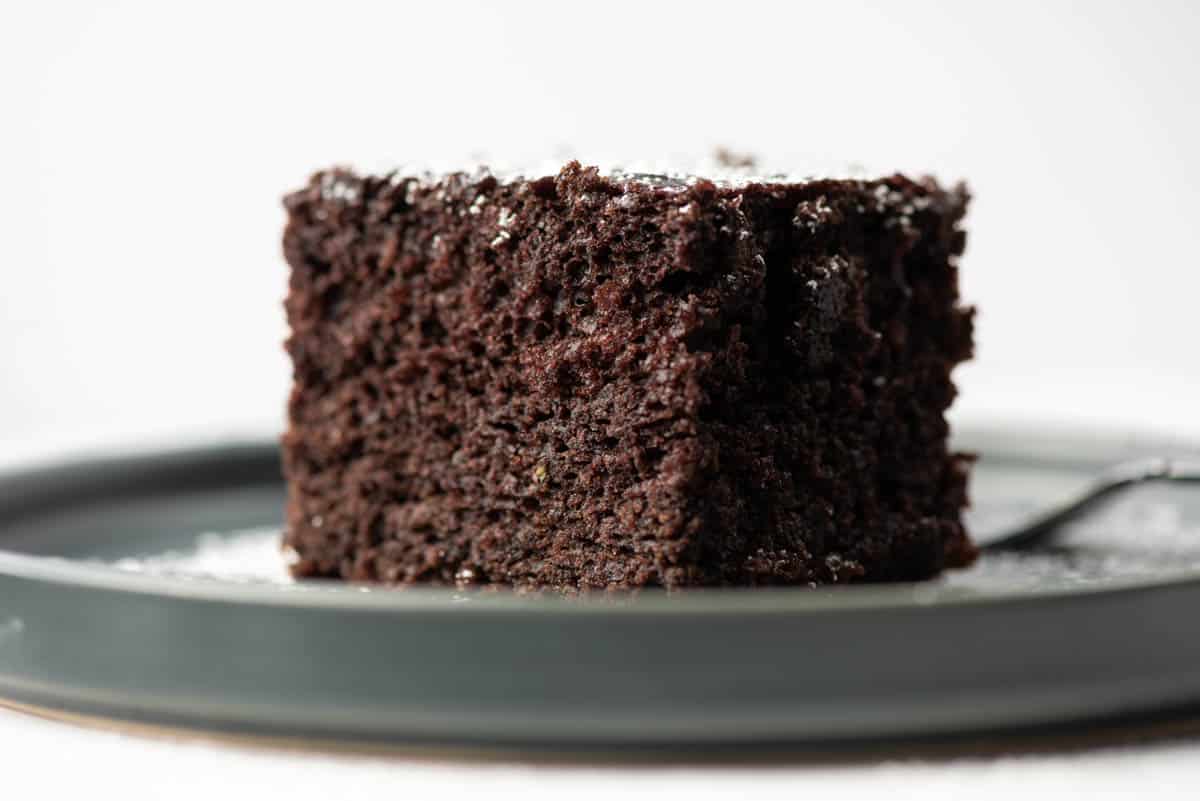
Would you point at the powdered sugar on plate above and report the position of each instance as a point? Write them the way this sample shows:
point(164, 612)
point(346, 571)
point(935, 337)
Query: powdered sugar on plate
point(251, 555)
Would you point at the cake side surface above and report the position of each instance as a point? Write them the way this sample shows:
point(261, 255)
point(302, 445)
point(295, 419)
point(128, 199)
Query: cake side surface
point(582, 381)
point(830, 429)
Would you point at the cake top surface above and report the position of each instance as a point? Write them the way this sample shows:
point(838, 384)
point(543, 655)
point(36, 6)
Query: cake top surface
point(724, 169)
point(726, 177)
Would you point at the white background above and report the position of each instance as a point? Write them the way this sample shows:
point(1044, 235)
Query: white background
point(144, 147)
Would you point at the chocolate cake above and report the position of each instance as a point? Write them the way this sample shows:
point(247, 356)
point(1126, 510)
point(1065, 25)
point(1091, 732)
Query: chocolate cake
point(607, 379)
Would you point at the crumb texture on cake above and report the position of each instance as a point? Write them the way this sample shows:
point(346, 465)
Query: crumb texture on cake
point(592, 380)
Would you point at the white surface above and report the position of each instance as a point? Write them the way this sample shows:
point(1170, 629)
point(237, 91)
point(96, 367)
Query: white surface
point(144, 147)
point(57, 759)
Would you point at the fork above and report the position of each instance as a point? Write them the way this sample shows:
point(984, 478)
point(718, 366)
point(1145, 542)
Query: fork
point(1041, 527)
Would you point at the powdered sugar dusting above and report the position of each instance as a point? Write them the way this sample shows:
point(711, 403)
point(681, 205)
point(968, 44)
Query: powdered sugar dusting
point(675, 175)
point(251, 555)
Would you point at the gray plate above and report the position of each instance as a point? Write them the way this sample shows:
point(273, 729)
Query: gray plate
point(149, 588)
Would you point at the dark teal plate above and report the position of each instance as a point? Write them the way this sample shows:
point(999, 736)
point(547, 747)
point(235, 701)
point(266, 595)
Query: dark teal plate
point(149, 588)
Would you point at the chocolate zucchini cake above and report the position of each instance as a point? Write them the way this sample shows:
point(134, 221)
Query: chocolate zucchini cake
point(607, 379)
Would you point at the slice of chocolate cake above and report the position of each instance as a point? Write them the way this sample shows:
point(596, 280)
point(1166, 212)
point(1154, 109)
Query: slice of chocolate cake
point(604, 380)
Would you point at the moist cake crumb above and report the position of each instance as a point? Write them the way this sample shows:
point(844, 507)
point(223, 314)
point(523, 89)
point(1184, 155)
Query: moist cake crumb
point(607, 379)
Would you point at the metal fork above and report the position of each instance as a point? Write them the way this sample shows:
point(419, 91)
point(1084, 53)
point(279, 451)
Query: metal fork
point(1043, 526)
